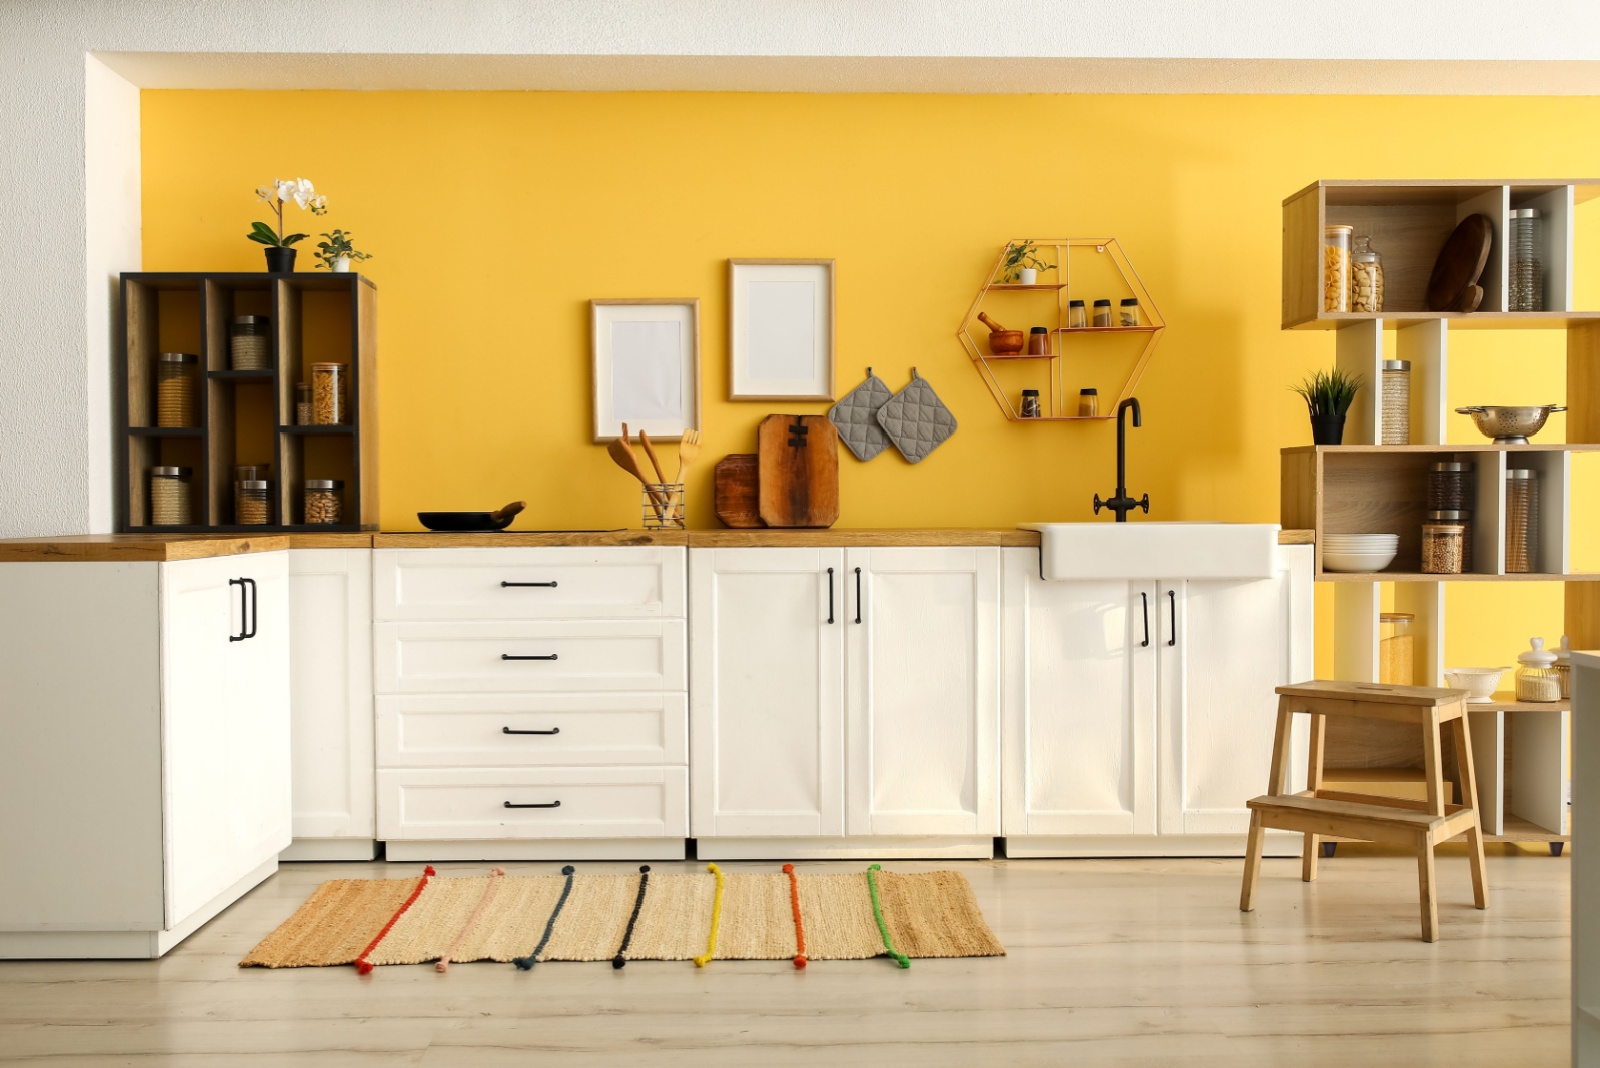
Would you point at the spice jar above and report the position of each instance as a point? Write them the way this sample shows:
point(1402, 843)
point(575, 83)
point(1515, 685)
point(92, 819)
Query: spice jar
point(1088, 402)
point(1077, 318)
point(243, 473)
point(1039, 341)
point(324, 501)
point(302, 404)
point(249, 347)
point(1336, 268)
point(1395, 645)
point(1366, 277)
point(1450, 486)
point(1128, 312)
point(1442, 548)
point(1564, 667)
point(170, 501)
point(1526, 273)
point(1537, 678)
point(1396, 402)
point(327, 394)
point(177, 389)
point(1522, 520)
point(253, 503)
point(1464, 520)
point(1102, 313)
point(1030, 404)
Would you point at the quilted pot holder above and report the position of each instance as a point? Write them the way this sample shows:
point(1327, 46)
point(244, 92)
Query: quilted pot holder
point(856, 416)
point(916, 420)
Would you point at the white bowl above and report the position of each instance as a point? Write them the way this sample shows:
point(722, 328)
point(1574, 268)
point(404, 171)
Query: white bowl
point(1351, 541)
point(1480, 683)
point(1355, 562)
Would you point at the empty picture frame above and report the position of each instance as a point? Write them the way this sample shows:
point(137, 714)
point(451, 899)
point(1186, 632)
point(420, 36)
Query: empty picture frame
point(780, 329)
point(646, 366)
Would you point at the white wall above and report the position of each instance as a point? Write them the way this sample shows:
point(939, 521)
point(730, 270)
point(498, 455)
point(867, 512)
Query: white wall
point(69, 189)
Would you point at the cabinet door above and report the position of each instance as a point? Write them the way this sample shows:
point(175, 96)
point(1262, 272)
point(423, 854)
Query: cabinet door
point(260, 788)
point(1079, 733)
point(923, 691)
point(330, 671)
point(1224, 646)
point(767, 691)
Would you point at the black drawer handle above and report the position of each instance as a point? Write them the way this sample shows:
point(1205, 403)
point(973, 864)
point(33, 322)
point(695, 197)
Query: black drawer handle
point(249, 609)
point(509, 585)
point(546, 804)
point(508, 730)
point(508, 656)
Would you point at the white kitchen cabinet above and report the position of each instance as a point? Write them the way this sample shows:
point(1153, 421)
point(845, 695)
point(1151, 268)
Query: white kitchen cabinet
point(144, 732)
point(330, 603)
point(1139, 715)
point(840, 712)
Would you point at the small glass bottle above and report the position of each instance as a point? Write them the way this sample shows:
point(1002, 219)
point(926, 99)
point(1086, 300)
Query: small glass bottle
point(1128, 312)
point(1461, 518)
point(177, 389)
point(1537, 678)
point(1442, 548)
point(1336, 268)
point(1030, 405)
point(1395, 647)
point(302, 404)
point(1366, 277)
point(1396, 402)
point(1102, 313)
point(324, 501)
point(327, 394)
point(254, 499)
point(1088, 402)
point(1039, 341)
point(249, 346)
point(1077, 318)
point(171, 504)
point(243, 473)
point(1526, 267)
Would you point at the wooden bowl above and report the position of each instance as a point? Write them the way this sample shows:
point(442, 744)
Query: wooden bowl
point(1005, 342)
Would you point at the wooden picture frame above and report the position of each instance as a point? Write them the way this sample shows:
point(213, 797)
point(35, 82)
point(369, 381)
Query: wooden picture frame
point(646, 355)
point(780, 329)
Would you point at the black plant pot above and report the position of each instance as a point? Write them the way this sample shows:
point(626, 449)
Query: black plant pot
point(280, 260)
point(1326, 429)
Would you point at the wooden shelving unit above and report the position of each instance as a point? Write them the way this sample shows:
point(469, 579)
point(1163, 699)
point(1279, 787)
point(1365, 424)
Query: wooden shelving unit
point(1102, 271)
point(1363, 487)
point(247, 416)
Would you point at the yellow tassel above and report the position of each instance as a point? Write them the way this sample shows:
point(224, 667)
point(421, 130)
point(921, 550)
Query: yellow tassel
point(716, 920)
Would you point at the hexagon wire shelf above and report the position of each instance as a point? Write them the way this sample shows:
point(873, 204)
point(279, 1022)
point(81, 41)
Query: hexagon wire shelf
point(1152, 325)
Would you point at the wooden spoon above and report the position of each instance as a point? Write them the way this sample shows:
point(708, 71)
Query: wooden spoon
point(621, 451)
point(688, 450)
point(507, 512)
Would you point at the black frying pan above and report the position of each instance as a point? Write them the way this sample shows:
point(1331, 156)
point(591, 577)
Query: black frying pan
point(461, 522)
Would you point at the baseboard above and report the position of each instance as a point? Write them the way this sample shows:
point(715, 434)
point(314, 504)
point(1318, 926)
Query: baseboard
point(330, 849)
point(1279, 844)
point(865, 847)
point(555, 849)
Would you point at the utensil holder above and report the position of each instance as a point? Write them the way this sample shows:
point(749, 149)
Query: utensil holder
point(662, 505)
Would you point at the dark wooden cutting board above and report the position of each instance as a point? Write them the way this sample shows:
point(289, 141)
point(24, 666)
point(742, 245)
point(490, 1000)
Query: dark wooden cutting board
point(1460, 265)
point(736, 490)
point(799, 470)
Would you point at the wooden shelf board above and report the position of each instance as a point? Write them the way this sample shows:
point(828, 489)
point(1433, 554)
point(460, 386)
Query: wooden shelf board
point(1022, 356)
point(1014, 287)
point(1062, 418)
point(315, 429)
point(242, 376)
point(1517, 829)
point(165, 431)
point(1545, 320)
point(1506, 701)
point(1419, 576)
point(1142, 329)
point(1403, 450)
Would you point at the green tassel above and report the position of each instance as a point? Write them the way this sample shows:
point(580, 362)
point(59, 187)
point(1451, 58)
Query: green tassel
point(877, 914)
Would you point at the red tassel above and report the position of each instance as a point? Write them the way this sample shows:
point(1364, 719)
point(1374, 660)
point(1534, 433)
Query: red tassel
point(800, 961)
point(429, 870)
point(363, 968)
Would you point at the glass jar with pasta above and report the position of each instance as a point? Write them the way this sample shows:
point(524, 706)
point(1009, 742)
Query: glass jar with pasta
point(1336, 268)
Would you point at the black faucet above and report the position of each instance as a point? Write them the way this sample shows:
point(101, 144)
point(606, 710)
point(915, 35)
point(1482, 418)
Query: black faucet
point(1122, 504)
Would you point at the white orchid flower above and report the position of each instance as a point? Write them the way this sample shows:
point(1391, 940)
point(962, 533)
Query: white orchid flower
point(269, 193)
point(303, 193)
point(285, 189)
point(319, 205)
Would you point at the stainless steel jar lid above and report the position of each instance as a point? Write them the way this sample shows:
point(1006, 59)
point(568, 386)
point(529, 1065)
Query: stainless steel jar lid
point(1521, 474)
point(1397, 365)
point(324, 484)
point(250, 320)
point(1449, 515)
point(1450, 467)
point(176, 357)
point(172, 472)
point(254, 484)
point(1524, 213)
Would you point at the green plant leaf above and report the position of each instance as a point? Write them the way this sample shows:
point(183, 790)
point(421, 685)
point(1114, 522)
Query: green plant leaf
point(273, 240)
point(293, 239)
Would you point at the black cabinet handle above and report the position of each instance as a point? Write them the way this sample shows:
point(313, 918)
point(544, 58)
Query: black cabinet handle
point(1172, 603)
point(858, 595)
point(248, 609)
point(508, 656)
point(1144, 599)
point(830, 595)
point(510, 585)
point(547, 804)
point(508, 730)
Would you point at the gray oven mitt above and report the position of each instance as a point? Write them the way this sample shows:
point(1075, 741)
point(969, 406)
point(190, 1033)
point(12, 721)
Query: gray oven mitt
point(916, 420)
point(856, 416)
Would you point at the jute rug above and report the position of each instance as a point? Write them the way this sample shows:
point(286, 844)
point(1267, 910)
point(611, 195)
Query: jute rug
point(528, 919)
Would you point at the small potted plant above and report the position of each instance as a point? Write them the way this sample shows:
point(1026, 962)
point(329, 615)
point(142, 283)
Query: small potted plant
point(336, 252)
point(1022, 263)
point(280, 246)
point(1328, 395)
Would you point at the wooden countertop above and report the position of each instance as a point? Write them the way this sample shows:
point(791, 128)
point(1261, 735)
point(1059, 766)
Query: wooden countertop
point(160, 547)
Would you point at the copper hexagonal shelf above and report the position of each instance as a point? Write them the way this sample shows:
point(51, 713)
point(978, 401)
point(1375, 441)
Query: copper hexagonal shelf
point(1100, 255)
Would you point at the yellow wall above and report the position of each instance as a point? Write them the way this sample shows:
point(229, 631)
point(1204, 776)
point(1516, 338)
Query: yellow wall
point(495, 217)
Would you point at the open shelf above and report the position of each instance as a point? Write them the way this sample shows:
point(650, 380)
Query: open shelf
point(1142, 329)
point(166, 431)
point(1506, 701)
point(1018, 287)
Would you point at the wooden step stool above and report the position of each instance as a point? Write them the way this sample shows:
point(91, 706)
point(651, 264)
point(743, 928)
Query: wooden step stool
point(1315, 811)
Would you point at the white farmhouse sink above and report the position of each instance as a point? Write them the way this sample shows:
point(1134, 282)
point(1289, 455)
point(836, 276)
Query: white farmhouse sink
point(1134, 550)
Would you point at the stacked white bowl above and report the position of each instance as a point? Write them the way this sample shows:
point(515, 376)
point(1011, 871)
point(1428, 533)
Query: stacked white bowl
point(1359, 552)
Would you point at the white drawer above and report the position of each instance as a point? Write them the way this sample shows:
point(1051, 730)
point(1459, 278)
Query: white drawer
point(532, 729)
point(470, 803)
point(582, 656)
point(607, 582)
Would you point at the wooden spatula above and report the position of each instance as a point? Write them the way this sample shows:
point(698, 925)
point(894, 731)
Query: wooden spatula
point(621, 451)
point(655, 461)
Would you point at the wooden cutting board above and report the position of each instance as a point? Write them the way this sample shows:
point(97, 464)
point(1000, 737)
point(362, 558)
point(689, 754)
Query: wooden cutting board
point(736, 493)
point(1460, 265)
point(799, 471)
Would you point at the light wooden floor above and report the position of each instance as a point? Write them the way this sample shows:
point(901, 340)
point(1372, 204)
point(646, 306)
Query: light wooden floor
point(1111, 962)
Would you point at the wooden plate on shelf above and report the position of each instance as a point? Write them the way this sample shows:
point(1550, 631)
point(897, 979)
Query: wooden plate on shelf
point(737, 490)
point(1460, 265)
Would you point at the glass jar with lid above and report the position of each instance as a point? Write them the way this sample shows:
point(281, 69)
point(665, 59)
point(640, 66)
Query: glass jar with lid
point(1537, 678)
point(1395, 646)
point(1088, 402)
point(1128, 312)
point(327, 394)
point(1077, 317)
point(1442, 552)
point(249, 346)
point(1451, 486)
point(243, 473)
point(1102, 313)
point(171, 501)
point(324, 501)
point(1522, 520)
point(177, 389)
point(254, 502)
point(1396, 402)
point(1462, 518)
point(302, 404)
point(1366, 277)
point(1336, 268)
point(1526, 267)
point(1030, 405)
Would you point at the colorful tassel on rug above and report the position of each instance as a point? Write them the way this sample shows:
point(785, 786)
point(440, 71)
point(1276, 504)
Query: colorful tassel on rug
point(527, 963)
point(472, 921)
point(716, 920)
point(363, 966)
point(877, 914)
point(638, 903)
point(799, 928)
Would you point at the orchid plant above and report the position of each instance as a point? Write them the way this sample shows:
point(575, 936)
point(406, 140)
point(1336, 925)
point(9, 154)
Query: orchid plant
point(278, 195)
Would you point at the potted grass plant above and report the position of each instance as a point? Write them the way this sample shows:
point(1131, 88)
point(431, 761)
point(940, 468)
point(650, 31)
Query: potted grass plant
point(1328, 396)
point(280, 246)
